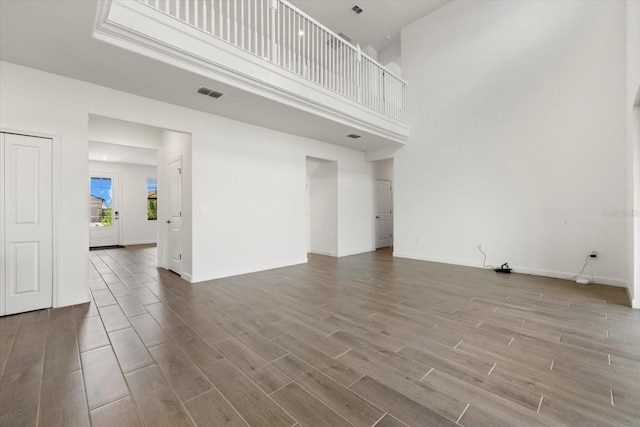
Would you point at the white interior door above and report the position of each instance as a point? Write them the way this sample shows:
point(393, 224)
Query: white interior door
point(175, 215)
point(26, 204)
point(104, 209)
point(384, 223)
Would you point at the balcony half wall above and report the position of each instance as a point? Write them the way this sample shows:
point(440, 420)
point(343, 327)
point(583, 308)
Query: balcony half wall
point(324, 93)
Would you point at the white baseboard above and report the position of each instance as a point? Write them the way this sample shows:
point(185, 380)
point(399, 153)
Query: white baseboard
point(356, 252)
point(73, 301)
point(254, 269)
point(635, 302)
point(516, 269)
point(598, 280)
point(327, 253)
point(188, 277)
point(139, 242)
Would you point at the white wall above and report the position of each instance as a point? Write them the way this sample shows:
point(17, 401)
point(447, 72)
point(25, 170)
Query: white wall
point(633, 151)
point(323, 207)
point(634, 211)
point(517, 137)
point(383, 169)
point(391, 58)
point(355, 201)
point(175, 145)
point(250, 198)
point(371, 52)
point(248, 187)
point(135, 228)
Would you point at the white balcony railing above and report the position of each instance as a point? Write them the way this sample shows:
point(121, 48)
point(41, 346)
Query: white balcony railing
point(284, 35)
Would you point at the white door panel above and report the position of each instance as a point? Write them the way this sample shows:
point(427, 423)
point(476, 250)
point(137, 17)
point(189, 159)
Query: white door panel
point(27, 247)
point(175, 215)
point(384, 223)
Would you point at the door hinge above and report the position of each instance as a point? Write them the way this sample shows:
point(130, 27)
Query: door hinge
point(180, 256)
point(180, 171)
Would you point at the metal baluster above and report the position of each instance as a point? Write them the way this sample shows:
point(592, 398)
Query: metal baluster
point(205, 24)
point(262, 28)
point(325, 60)
point(274, 31)
point(196, 13)
point(290, 37)
point(242, 23)
point(314, 50)
point(229, 23)
point(235, 22)
point(214, 15)
point(249, 27)
point(255, 27)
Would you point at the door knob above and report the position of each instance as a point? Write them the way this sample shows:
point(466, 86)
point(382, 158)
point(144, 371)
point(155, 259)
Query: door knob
point(377, 217)
point(168, 221)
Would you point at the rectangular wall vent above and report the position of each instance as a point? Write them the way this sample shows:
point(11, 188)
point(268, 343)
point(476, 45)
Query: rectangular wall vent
point(209, 92)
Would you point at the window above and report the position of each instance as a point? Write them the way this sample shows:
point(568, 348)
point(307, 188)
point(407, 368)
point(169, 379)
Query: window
point(152, 199)
point(100, 197)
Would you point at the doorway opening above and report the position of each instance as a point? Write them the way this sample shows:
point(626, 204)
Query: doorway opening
point(123, 162)
point(383, 174)
point(132, 193)
point(322, 206)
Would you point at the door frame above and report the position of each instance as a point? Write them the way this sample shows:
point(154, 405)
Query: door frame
point(55, 225)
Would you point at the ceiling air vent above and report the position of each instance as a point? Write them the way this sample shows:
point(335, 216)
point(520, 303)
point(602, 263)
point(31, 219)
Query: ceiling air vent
point(353, 135)
point(209, 92)
point(357, 9)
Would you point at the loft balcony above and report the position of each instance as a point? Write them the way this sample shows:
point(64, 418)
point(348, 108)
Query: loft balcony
point(271, 50)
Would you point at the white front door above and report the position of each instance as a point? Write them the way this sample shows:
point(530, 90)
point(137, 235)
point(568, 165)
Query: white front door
point(104, 210)
point(175, 215)
point(384, 223)
point(26, 204)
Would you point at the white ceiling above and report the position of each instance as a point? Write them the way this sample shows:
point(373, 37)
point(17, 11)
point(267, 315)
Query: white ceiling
point(56, 36)
point(377, 26)
point(115, 153)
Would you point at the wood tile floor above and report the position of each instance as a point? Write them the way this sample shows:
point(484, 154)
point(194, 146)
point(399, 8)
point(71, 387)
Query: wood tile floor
point(359, 341)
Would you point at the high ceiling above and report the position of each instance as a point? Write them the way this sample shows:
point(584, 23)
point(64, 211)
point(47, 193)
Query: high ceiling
point(56, 36)
point(377, 26)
